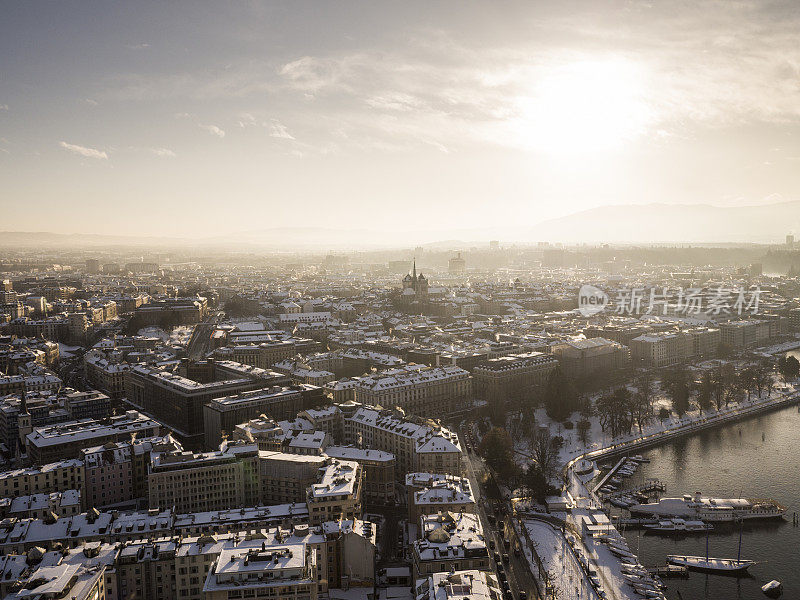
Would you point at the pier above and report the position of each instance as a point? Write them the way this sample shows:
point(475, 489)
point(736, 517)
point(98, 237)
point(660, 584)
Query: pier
point(669, 571)
point(649, 487)
point(632, 523)
point(607, 477)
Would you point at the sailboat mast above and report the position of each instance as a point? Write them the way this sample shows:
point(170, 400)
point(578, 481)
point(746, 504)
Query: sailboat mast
point(739, 555)
point(707, 530)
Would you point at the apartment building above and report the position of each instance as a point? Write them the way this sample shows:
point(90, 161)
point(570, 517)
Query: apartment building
point(379, 469)
point(226, 412)
point(661, 349)
point(104, 374)
point(78, 573)
point(286, 571)
point(197, 482)
point(42, 506)
point(302, 372)
point(417, 444)
point(178, 401)
point(262, 431)
point(449, 542)
point(746, 333)
point(511, 378)
point(337, 494)
point(53, 477)
point(66, 440)
point(581, 358)
point(285, 476)
point(418, 390)
point(263, 355)
point(430, 493)
point(458, 585)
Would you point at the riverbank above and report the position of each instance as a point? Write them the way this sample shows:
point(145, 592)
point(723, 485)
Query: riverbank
point(688, 425)
point(753, 458)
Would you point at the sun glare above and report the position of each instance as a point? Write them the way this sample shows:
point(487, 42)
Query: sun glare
point(583, 107)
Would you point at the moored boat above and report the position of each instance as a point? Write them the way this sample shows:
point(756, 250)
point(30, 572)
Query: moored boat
point(773, 589)
point(715, 565)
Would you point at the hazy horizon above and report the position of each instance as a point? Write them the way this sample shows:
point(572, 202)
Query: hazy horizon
point(201, 120)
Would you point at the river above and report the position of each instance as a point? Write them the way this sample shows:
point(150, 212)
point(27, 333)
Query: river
point(756, 458)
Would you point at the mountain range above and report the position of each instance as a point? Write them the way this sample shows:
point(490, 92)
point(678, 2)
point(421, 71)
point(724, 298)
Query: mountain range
point(635, 223)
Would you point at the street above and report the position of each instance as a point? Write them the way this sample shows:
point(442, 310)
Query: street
point(517, 569)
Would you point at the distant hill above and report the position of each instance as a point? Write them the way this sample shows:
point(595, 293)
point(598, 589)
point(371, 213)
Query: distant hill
point(28, 239)
point(674, 223)
point(635, 223)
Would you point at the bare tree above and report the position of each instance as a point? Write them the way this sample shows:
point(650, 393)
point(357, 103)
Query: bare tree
point(544, 450)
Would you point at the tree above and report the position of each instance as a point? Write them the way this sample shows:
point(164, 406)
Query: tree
point(537, 484)
point(788, 367)
point(747, 380)
point(705, 390)
point(614, 411)
point(498, 451)
point(584, 426)
point(677, 386)
point(762, 376)
point(663, 413)
point(544, 449)
point(560, 398)
point(641, 404)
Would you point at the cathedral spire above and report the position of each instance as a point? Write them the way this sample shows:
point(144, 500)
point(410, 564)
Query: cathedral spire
point(415, 269)
point(24, 402)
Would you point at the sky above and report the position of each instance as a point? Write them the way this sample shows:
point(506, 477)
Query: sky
point(201, 119)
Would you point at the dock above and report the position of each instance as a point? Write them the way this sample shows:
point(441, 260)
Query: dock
point(632, 523)
point(607, 477)
point(669, 571)
point(649, 487)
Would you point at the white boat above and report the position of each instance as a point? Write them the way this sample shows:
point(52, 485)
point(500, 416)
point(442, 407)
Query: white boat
point(639, 458)
point(664, 525)
point(773, 588)
point(711, 509)
point(698, 526)
point(678, 525)
point(701, 563)
point(620, 552)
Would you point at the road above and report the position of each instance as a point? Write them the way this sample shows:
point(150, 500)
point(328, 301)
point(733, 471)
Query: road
point(517, 570)
point(200, 343)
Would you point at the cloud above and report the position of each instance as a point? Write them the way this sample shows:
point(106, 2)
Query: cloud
point(182, 115)
point(163, 152)
point(277, 130)
point(213, 130)
point(84, 151)
point(137, 46)
point(714, 63)
point(3, 106)
point(91, 102)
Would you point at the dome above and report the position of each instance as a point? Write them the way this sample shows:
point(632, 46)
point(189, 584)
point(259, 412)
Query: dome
point(438, 536)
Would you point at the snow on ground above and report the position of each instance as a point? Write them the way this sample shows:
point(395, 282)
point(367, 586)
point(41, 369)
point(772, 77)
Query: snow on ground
point(566, 575)
point(598, 439)
point(784, 347)
point(154, 332)
point(181, 335)
point(65, 351)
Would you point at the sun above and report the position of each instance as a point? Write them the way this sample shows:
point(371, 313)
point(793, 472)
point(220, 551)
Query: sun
point(581, 107)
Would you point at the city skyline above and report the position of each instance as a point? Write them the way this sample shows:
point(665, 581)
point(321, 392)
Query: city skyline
point(198, 120)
